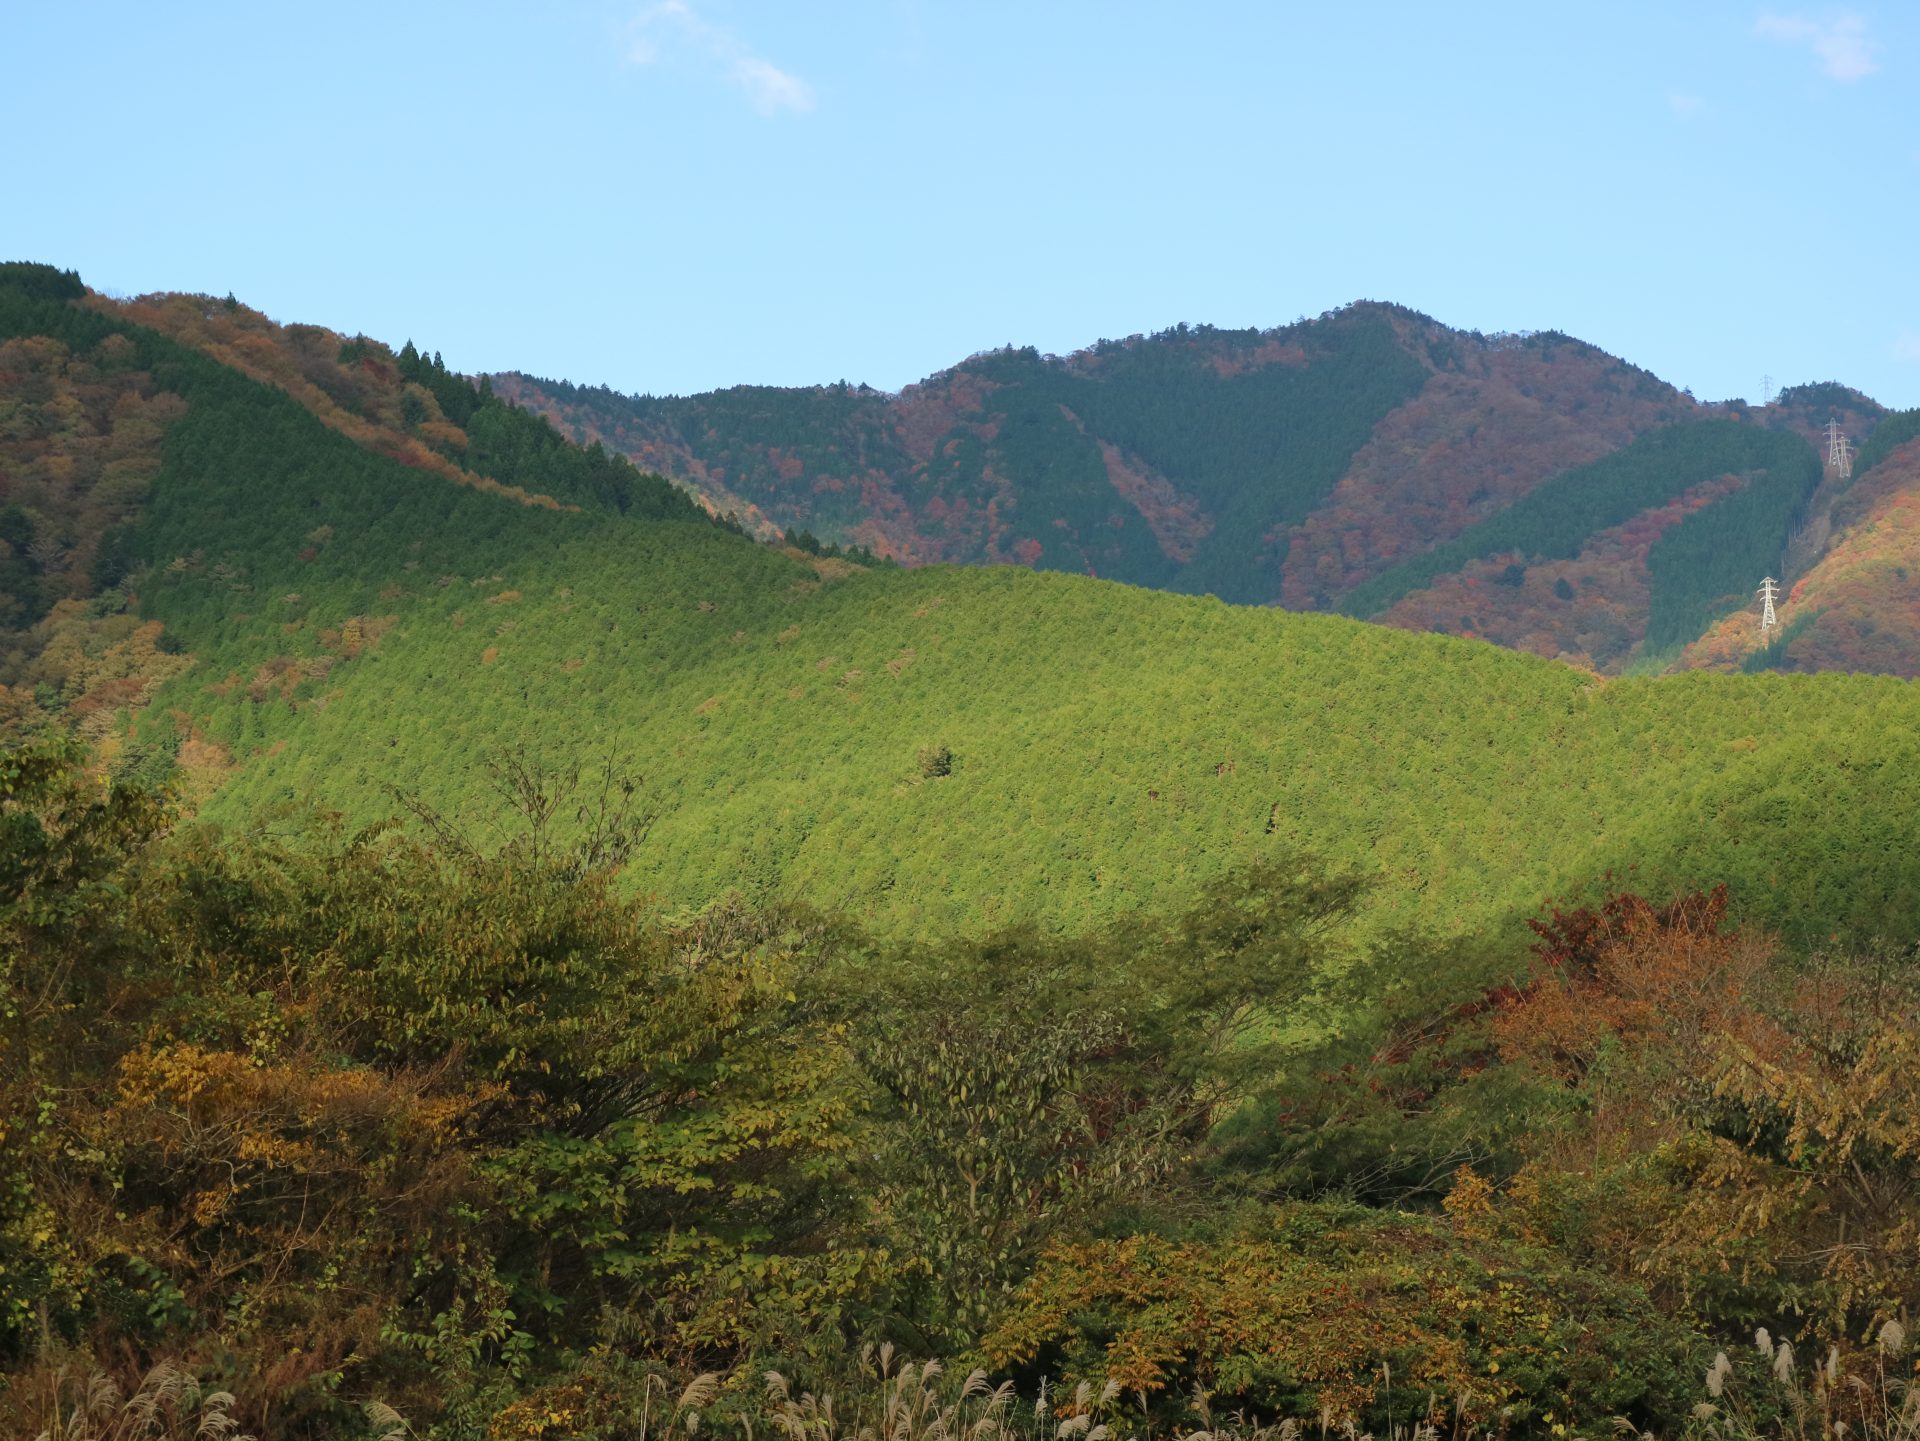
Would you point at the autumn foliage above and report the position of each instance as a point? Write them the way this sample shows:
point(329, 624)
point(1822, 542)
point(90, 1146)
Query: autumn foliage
point(960, 978)
point(361, 1116)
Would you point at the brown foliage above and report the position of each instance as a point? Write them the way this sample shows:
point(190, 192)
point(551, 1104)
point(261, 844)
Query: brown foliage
point(362, 399)
point(1473, 441)
point(1597, 629)
point(1746, 1126)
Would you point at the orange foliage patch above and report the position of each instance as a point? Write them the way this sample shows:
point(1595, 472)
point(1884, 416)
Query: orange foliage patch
point(1177, 522)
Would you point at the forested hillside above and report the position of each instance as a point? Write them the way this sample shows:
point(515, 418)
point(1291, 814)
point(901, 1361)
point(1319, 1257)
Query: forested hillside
point(406, 406)
point(1178, 462)
point(935, 749)
point(1516, 488)
point(490, 950)
point(1197, 459)
point(1857, 605)
point(1713, 501)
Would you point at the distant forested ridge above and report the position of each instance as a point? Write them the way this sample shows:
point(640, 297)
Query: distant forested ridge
point(1371, 461)
point(1180, 462)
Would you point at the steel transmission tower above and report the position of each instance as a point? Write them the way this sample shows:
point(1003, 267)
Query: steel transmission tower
point(1839, 452)
point(1769, 593)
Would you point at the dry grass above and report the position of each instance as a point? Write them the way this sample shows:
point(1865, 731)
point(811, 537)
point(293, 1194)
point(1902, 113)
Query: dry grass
point(905, 1402)
point(170, 1405)
point(1869, 1394)
point(908, 1401)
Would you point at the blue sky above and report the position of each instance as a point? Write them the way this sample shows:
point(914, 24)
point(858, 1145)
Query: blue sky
point(672, 196)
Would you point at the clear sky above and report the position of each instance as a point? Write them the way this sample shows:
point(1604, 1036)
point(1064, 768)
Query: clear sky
point(671, 195)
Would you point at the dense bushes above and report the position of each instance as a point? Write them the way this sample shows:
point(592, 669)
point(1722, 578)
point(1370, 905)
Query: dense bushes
point(347, 1115)
point(1328, 1308)
point(358, 1115)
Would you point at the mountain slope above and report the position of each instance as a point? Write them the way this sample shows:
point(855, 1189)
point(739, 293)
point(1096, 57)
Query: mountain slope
point(1856, 605)
point(405, 406)
point(1502, 415)
point(87, 408)
point(1252, 457)
point(343, 624)
point(1178, 462)
point(1372, 461)
point(1725, 496)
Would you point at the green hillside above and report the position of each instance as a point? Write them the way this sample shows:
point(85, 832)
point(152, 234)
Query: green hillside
point(360, 627)
point(962, 980)
point(1113, 755)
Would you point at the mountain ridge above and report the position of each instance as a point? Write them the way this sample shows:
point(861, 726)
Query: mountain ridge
point(293, 617)
point(1200, 459)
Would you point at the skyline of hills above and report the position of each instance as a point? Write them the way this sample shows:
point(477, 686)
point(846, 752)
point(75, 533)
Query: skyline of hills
point(1370, 461)
point(1223, 857)
point(1530, 493)
point(316, 586)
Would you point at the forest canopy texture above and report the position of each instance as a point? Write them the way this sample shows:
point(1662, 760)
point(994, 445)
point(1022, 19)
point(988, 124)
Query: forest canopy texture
point(346, 1116)
point(492, 949)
